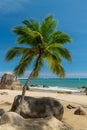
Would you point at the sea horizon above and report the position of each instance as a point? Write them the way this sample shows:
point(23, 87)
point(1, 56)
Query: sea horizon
point(57, 84)
point(69, 84)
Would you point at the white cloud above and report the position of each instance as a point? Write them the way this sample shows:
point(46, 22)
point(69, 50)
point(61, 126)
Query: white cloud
point(3, 72)
point(44, 74)
point(51, 75)
point(76, 75)
point(41, 75)
point(7, 6)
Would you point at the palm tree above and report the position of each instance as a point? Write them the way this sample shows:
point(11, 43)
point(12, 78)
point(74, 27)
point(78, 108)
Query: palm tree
point(43, 43)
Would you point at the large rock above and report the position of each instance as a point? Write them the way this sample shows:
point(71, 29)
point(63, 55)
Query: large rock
point(80, 111)
point(9, 81)
point(39, 107)
point(19, 123)
point(1, 111)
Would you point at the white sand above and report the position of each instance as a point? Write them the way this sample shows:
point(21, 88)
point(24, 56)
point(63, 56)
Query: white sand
point(77, 121)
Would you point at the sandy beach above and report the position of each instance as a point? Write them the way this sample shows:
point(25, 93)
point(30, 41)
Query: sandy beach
point(78, 122)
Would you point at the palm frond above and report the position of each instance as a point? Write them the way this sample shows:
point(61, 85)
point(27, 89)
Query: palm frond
point(39, 67)
point(59, 49)
point(57, 69)
point(32, 24)
point(59, 37)
point(47, 27)
point(25, 61)
point(27, 36)
point(55, 66)
point(14, 52)
point(52, 54)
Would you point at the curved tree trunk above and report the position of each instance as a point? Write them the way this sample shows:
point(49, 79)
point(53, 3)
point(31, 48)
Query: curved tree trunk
point(26, 85)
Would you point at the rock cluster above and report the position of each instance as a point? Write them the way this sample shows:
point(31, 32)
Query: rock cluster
point(9, 81)
point(80, 111)
point(49, 123)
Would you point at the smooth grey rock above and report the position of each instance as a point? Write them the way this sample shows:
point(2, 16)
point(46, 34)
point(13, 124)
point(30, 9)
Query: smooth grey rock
point(1, 111)
point(39, 107)
point(80, 111)
point(19, 123)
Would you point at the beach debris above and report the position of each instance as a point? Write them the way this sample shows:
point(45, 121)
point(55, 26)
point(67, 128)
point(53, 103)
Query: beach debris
point(64, 92)
point(39, 107)
point(60, 92)
point(19, 123)
point(1, 111)
point(80, 111)
point(68, 92)
point(34, 85)
point(70, 106)
point(9, 81)
point(7, 103)
point(45, 86)
point(4, 93)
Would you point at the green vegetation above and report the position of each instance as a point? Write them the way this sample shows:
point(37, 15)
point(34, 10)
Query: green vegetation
point(44, 43)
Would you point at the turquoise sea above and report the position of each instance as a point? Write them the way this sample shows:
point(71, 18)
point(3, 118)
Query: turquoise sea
point(56, 84)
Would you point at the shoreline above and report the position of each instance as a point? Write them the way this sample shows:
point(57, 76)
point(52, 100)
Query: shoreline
point(56, 84)
point(60, 90)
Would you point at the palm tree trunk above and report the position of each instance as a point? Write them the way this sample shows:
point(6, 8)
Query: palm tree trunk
point(26, 85)
point(24, 91)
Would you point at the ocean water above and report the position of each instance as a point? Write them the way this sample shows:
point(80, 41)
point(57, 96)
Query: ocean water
point(56, 84)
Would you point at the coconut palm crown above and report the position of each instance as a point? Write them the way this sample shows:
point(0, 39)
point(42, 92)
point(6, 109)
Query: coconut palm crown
point(43, 43)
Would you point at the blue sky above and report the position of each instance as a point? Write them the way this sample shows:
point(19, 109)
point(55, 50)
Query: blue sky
point(72, 19)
